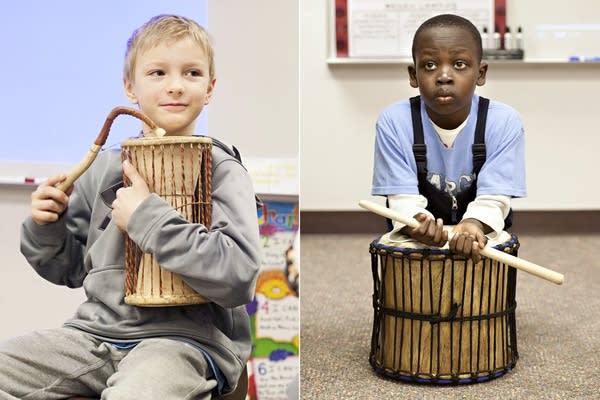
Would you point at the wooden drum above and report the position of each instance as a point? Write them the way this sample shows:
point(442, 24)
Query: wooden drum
point(178, 169)
point(437, 317)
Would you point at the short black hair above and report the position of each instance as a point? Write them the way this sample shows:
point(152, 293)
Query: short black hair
point(444, 20)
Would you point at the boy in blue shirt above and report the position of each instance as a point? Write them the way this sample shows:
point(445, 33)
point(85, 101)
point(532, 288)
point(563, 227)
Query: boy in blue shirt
point(450, 156)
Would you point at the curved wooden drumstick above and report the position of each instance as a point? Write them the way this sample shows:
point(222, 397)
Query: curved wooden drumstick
point(101, 139)
point(489, 252)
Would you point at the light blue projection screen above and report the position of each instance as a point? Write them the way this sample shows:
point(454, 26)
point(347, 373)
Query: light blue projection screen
point(61, 68)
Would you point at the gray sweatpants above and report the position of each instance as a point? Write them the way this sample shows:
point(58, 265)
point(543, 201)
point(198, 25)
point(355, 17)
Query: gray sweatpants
point(59, 363)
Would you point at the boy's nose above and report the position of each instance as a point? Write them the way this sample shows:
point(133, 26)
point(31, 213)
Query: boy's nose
point(175, 87)
point(176, 90)
point(445, 76)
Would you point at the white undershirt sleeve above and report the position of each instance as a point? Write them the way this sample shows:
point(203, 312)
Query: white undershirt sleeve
point(408, 205)
point(491, 210)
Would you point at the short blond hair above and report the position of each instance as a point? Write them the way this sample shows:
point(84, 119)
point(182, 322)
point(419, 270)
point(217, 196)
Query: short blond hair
point(163, 28)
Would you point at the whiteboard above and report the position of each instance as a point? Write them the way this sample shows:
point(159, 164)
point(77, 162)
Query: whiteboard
point(62, 74)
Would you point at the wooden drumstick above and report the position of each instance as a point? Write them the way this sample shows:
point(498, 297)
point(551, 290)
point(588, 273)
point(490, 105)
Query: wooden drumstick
point(487, 251)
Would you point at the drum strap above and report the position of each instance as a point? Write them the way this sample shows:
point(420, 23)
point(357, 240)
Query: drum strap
point(478, 147)
point(232, 151)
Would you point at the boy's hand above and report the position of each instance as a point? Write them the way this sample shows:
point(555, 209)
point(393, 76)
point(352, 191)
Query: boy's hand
point(430, 232)
point(468, 239)
point(48, 202)
point(129, 198)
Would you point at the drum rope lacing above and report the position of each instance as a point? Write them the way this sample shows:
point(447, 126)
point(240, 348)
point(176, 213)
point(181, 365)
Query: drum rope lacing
point(489, 367)
point(510, 246)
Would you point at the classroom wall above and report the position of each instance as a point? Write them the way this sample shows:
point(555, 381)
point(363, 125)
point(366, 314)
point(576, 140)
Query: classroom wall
point(340, 103)
point(255, 107)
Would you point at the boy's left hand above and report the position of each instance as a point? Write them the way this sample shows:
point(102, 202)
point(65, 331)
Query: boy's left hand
point(468, 239)
point(129, 198)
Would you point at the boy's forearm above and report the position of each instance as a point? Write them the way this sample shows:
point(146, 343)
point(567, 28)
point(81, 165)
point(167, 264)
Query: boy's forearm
point(409, 205)
point(481, 225)
point(53, 252)
point(489, 210)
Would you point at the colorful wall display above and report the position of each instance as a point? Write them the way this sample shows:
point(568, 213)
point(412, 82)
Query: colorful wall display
point(274, 312)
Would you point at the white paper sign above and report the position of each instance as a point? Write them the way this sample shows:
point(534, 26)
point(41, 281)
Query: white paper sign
point(385, 28)
point(274, 377)
point(277, 319)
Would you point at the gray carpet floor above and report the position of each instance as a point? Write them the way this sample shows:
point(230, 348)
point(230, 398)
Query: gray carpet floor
point(558, 328)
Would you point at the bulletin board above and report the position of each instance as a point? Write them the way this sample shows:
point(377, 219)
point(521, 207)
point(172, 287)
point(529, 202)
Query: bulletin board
point(385, 28)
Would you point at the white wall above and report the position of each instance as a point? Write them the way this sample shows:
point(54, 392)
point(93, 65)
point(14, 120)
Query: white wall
point(340, 103)
point(255, 107)
point(26, 301)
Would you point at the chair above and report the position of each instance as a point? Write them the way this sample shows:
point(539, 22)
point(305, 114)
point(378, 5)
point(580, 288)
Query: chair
point(238, 394)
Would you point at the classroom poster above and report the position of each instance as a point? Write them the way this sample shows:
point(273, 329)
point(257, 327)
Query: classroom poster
point(274, 312)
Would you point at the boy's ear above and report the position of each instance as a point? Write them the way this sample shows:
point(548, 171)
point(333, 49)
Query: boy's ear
point(209, 91)
point(482, 71)
point(129, 93)
point(412, 76)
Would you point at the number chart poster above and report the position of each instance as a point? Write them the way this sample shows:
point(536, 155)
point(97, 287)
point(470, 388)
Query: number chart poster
point(274, 312)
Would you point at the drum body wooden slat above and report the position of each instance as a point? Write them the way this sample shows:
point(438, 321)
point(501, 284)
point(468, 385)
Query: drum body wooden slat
point(177, 169)
point(440, 319)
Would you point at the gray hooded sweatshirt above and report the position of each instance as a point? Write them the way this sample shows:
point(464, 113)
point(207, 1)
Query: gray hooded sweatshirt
point(84, 248)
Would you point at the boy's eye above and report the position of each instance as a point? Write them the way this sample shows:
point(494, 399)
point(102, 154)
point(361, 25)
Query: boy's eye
point(429, 66)
point(194, 73)
point(157, 72)
point(460, 65)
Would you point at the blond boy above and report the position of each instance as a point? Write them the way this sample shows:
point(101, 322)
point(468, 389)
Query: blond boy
point(120, 351)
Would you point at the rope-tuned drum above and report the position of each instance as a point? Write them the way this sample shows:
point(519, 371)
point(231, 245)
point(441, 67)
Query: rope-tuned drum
point(439, 318)
point(178, 169)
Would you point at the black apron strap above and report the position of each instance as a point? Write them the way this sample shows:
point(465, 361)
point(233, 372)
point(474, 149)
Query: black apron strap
point(419, 148)
point(478, 147)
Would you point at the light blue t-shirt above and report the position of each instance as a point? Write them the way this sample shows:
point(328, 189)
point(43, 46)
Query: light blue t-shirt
point(450, 169)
